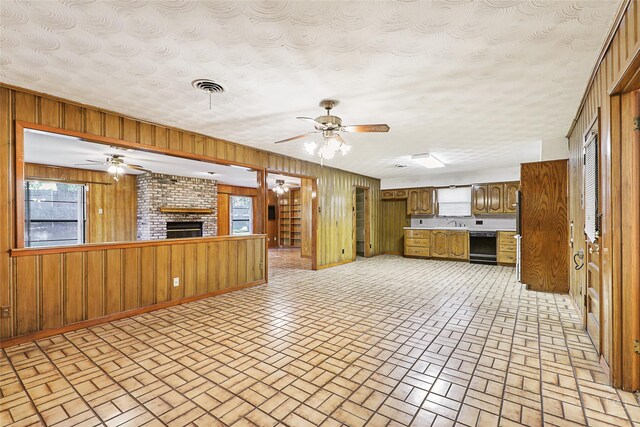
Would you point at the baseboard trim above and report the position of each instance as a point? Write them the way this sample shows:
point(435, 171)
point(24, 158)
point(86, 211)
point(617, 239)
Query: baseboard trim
point(34, 336)
point(335, 264)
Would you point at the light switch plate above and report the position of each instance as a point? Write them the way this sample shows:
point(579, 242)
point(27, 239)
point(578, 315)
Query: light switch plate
point(176, 282)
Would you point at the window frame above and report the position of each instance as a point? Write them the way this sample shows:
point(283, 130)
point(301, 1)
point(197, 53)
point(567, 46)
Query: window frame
point(231, 220)
point(438, 202)
point(81, 219)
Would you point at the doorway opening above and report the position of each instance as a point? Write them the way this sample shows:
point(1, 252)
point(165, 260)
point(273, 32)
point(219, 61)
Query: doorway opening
point(290, 221)
point(361, 244)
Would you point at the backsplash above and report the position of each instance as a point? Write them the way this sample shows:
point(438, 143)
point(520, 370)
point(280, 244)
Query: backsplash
point(490, 223)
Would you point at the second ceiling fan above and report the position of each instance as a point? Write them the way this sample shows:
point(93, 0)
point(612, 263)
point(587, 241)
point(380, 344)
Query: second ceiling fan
point(330, 127)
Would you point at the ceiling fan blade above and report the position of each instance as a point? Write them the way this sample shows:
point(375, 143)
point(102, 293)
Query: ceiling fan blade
point(315, 123)
point(294, 137)
point(366, 128)
point(135, 167)
point(93, 163)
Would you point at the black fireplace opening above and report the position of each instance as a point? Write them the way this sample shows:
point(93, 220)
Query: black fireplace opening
point(181, 229)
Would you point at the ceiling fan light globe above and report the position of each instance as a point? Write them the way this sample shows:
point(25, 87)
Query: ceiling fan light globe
point(112, 169)
point(119, 169)
point(344, 149)
point(310, 147)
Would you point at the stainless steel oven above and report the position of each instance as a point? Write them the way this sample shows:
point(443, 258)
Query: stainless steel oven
point(482, 247)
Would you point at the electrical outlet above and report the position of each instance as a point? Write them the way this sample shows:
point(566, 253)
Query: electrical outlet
point(176, 282)
point(100, 211)
point(5, 311)
point(420, 221)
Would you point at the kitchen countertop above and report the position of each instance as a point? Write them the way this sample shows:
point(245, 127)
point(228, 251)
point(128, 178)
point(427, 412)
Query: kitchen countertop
point(460, 229)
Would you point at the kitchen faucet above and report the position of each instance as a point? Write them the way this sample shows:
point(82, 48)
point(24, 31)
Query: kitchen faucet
point(455, 223)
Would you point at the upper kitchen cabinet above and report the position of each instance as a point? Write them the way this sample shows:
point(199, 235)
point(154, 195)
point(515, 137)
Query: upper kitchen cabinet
point(420, 201)
point(479, 199)
point(494, 198)
point(394, 194)
point(510, 190)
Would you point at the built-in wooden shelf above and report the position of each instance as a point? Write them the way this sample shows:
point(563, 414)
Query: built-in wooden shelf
point(168, 209)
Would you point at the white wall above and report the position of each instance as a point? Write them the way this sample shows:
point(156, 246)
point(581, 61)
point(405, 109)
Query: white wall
point(554, 149)
point(430, 179)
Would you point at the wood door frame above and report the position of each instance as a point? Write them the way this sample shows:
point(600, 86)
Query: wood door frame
point(625, 301)
point(367, 225)
point(314, 209)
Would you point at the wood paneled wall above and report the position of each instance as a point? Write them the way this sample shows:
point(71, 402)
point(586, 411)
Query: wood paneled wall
point(334, 187)
point(394, 219)
point(616, 61)
point(117, 199)
point(306, 195)
point(59, 289)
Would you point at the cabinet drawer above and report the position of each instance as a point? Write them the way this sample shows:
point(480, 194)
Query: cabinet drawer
point(400, 194)
point(507, 258)
point(417, 251)
point(418, 242)
point(419, 234)
point(507, 236)
point(510, 248)
point(388, 194)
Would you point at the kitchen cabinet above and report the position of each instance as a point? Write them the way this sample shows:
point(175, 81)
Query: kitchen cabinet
point(479, 199)
point(495, 198)
point(458, 244)
point(446, 244)
point(506, 250)
point(510, 190)
point(394, 194)
point(420, 201)
point(440, 244)
point(417, 243)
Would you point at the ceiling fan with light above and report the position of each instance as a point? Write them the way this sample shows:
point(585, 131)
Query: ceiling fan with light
point(116, 165)
point(280, 188)
point(330, 127)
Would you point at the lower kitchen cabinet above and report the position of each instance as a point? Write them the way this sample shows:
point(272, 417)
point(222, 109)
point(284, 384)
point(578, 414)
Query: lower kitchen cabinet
point(458, 244)
point(446, 244)
point(506, 249)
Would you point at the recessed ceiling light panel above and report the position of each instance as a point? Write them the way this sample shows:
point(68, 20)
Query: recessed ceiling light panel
point(427, 160)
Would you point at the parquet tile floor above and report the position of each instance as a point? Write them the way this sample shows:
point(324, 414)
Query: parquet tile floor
point(385, 341)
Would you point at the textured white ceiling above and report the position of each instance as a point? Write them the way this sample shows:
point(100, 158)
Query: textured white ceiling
point(477, 83)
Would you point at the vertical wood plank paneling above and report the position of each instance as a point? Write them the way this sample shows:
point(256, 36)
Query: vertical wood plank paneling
point(93, 122)
point(241, 260)
point(131, 282)
point(129, 130)
point(25, 107)
point(189, 282)
point(222, 267)
point(73, 117)
point(112, 126)
point(201, 266)
point(113, 281)
point(26, 305)
point(147, 276)
point(6, 210)
point(52, 285)
point(74, 290)
point(177, 254)
point(95, 284)
point(50, 112)
point(162, 258)
point(232, 265)
point(215, 263)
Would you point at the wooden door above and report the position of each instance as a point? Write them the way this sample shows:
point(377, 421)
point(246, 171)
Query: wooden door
point(479, 198)
point(439, 244)
point(544, 226)
point(426, 201)
point(509, 196)
point(458, 245)
point(494, 196)
point(413, 201)
point(593, 293)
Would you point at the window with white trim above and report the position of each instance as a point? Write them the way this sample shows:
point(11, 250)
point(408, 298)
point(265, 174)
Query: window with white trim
point(454, 201)
point(241, 214)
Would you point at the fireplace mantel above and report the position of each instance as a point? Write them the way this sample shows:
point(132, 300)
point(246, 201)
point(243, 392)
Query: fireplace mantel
point(170, 209)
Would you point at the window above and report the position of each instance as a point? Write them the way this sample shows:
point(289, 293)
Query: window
point(591, 214)
point(454, 201)
point(241, 215)
point(54, 213)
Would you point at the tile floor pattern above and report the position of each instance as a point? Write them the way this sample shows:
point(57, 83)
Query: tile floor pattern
point(385, 341)
point(288, 258)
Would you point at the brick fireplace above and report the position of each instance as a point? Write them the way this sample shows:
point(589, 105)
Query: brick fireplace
point(158, 191)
